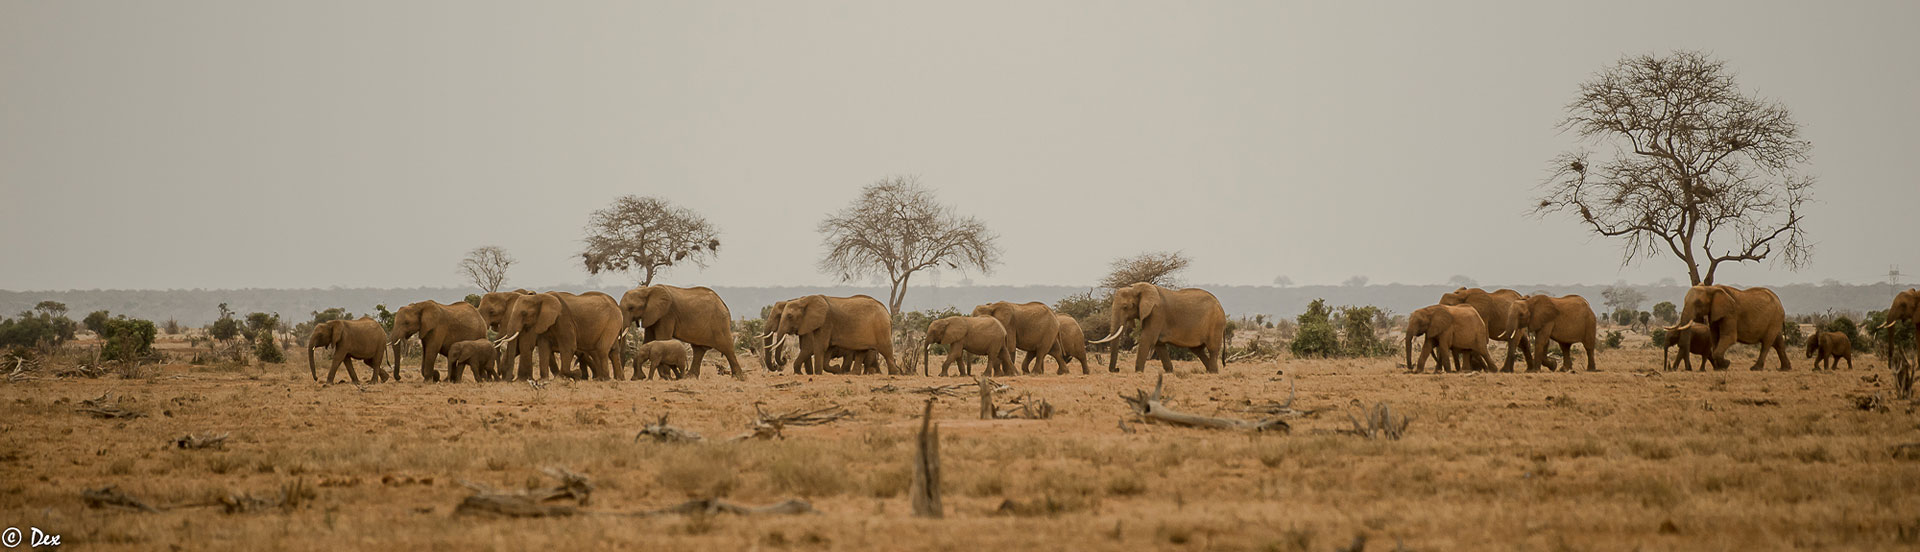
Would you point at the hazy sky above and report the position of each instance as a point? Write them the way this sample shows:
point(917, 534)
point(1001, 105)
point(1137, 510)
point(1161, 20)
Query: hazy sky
point(279, 144)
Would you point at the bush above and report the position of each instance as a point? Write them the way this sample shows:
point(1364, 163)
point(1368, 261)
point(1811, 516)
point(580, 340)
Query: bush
point(267, 349)
point(128, 339)
point(1659, 337)
point(224, 328)
point(1667, 312)
point(1791, 330)
point(1846, 327)
point(1361, 340)
point(96, 322)
point(1613, 339)
point(33, 329)
point(1902, 334)
point(171, 327)
point(1315, 340)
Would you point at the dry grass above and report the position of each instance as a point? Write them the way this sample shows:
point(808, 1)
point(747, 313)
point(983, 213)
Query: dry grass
point(1612, 460)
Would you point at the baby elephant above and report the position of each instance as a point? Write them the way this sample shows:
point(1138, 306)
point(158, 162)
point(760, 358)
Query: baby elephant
point(668, 358)
point(1692, 339)
point(980, 335)
point(1830, 347)
point(478, 354)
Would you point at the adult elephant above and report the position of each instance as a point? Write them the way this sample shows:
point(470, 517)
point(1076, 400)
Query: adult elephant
point(1733, 315)
point(1190, 318)
point(561, 325)
point(1455, 330)
point(1031, 327)
point(439, 327)
point(493, 310)
point(1070, 344)
point(1563, 320)
point(363, 340)
point(695, 316)
point(980, 335)
point(857, 323)
point(1496, 308)
point(773, 359)
point(1906, 308)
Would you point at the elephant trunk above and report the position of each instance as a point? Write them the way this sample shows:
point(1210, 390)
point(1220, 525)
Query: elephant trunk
point(310, 368)
point(1408, 345)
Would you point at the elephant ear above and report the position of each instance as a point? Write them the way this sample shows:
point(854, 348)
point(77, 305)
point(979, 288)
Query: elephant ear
point(1724, 304)
point(956, 334)
point(1439, 322)
point(813, 314)
point(1149, 300)
point(549, 314)
point(658, 304)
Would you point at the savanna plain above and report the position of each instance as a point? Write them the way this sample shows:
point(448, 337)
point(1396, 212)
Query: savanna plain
point(1627, 458)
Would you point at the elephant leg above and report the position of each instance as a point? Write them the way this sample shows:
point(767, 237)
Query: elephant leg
point(733, 363)
point(699, 358)
point(1113, 356)
point(429, 352)
point(453, 372)
point(1513, 346)
point(1566, 355)
point(1780, 347)
point(1588, 346)
point(1426, 347)
point(333, 369)
point(1526, 350)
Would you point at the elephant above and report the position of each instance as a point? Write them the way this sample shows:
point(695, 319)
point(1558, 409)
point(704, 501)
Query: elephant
point(667, 357)
point(1906, 308)
point(1031, 327)
point(439, 327)
point(771, 358)
point(980, 335)
point(1456, 330)
point(1564, 320)
point(1692, 340)
point(561, 324)
point(1830, 347)
point(493, 310)
point(1753, 316)
point(857, 323)
point(477, 354)
point(693, 315)
point(1496, 308)
point(363, 340)
point(1190, 318)
point(1070, 344)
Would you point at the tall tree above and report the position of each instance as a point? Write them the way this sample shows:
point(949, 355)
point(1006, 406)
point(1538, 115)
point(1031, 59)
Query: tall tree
point(487, 267)
point(645, 236)
point(1698, 169)
point(897, 228)
point(1160, 268)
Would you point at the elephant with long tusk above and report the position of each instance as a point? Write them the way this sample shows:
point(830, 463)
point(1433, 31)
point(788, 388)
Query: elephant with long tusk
point(1190, 318)
point(1732, 315)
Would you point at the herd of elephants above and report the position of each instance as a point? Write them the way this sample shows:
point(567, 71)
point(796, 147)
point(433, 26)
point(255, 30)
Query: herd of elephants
point(557, 330)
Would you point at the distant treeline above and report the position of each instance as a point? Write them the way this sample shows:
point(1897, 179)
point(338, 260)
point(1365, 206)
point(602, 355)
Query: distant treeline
point(197, 307)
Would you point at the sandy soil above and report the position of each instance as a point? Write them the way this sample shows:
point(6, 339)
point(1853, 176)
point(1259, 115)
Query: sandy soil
point(1622, 459)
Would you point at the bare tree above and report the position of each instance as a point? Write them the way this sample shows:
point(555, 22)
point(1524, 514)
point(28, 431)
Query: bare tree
point(898, 228)
point(647, 235)
point(486, 267)
point(1698, 169)
point(1156, 267)
point(1620, 297)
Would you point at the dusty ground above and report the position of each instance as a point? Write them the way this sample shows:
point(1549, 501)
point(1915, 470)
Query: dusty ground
point(1621, 459)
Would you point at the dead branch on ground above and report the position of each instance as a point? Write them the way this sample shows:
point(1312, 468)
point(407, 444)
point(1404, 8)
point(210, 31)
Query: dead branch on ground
point(1271, 408)
point(192, 441)
point(1378, 422)
point(1025, 407)
point(769, 426)
point(663, 433)
point(1150, 408)
point(107, 407)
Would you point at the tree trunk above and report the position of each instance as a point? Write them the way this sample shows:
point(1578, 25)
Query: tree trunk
point(926, 468)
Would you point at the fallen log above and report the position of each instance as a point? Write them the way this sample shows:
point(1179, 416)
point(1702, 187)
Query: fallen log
point(663, 433)
point(1149, 407)
point(107, 407)
point(192, 441)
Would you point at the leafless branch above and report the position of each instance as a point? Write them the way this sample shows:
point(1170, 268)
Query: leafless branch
point(487, 267)
point(898, 228)
point(646, 235)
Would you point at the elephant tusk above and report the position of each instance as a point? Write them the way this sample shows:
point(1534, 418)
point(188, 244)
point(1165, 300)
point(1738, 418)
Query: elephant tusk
point(1116, 335)
point(1889, 324)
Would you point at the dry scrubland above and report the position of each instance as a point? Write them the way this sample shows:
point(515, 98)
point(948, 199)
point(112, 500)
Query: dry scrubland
point(1617, 460)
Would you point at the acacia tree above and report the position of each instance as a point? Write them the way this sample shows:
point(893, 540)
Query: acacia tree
point(647, 235)
point(487, 267)
point(1698, 168)
point(897, 228)
point(1159, 268)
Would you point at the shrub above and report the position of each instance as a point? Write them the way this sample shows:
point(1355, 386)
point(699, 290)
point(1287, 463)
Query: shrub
point(96, 322)
point(1791, 330)
point(473, 299)
point(128, 339)
point(224, 328)
point(1667, 312)
point(267, 349)
point(1613, 339)
point(1902, 334)
point(35, 329)
point(1361, 339)
point(1315, 340)
point(171, 327)
point(1659, 337)
point(1846, 327)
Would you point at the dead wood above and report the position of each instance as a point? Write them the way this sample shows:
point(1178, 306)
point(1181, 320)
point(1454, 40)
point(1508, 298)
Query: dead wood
point(926, 468)
point(711, 506)
point(986, 397)
point(953, 390)
point(107, 407)
point(786, 385)
point(1377, 422)
point(1272, 408)
point(1756, 402)
point(111, 496)
point(506, 505)
point(532, 503)
point(663, 433)
point(1150, 408)
point(1906, 451)
point(1025, 407)
point(192, 441)
point(769, 426)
